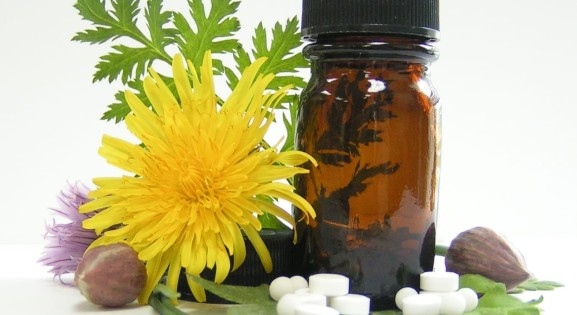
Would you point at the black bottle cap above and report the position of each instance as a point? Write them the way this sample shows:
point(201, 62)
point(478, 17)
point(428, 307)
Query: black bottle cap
point(396, 17)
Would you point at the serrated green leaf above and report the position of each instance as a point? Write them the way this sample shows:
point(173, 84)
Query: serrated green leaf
point(118, 110)
point(260, 42)
point(95, 12)
point(280, 81)
point(231, 77)
point(283, 56)
point(213, 31)
point(243, 60)
point(124, 62)
point(96, 36)
point(125, 12)
point(155, 21)
point(119, 22)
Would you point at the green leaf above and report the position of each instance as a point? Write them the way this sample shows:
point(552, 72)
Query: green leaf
point(118, 110)
point(95, 12)
point(537, 285)
point(269, 221)
point(122, 21)
point(98, 35)
point(125, 62)
point(268, 309)
point(160, 300)
point(290, 124)
point(155, 21)
point(238, 294)
point(213, 31)
point(243, 60)
point(497, 300)
point(283, 56)
point(125, 12)
point(480, 284)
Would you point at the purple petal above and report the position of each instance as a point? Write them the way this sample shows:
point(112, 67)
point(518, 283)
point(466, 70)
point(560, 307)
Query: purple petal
point(67, 242)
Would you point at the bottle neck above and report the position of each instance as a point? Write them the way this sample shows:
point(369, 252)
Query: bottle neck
point(387, 48)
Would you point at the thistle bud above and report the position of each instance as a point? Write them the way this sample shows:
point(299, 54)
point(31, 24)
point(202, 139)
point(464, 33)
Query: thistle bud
point(482, 251)
point(111, 275)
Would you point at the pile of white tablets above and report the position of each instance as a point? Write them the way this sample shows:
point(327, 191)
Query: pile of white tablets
point(440, 294)
point(328, 294)
point(323, 294)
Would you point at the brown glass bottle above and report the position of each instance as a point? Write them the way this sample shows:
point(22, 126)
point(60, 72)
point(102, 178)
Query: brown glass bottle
point(370, 117)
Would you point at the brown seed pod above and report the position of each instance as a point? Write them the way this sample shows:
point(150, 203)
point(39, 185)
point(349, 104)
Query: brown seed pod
point(111, 275)
point(484, 252)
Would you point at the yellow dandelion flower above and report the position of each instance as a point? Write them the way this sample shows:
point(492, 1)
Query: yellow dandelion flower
point(196, 185)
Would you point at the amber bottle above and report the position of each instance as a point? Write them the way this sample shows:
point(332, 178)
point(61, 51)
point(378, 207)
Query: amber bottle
point(370, 117)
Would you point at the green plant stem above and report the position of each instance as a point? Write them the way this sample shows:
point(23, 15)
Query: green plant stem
point(441, 250)
point(160, 300)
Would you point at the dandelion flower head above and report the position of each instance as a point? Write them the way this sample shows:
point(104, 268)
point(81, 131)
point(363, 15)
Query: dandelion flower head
point(197, 182)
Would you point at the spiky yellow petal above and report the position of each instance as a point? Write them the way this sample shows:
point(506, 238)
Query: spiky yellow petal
point(195, 186)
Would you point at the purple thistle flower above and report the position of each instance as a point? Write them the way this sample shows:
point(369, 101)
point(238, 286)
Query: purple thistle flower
point(67, 242)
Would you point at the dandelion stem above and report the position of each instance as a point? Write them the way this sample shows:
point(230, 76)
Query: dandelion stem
point(441, 250)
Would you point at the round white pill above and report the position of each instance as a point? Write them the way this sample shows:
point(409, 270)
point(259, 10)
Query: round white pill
point(299, 282)
point(329, 284)
point(286, 305)
point(422, 304)
point(452, 303)
point(279, 287)
point(402, 294)
point(303, 291)
point(439, 281)
point(310, 309)
point(351, 304)
point(312, 298)
point(471, 298)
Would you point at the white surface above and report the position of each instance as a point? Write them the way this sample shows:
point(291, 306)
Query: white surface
point(27, 288)
point(506, 78)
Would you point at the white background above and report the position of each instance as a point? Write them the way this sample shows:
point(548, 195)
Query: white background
point(506, 77)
